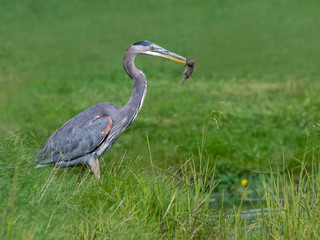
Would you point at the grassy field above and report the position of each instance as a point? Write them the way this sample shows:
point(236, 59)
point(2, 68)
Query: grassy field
point(250, 108)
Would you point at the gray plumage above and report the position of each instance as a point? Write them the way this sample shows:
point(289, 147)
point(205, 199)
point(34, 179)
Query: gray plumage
point(91, 133)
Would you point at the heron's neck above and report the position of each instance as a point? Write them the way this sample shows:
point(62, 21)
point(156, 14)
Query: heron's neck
point(135, 102)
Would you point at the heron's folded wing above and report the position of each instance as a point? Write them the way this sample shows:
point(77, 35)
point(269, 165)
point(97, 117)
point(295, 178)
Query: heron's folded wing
point(74, 139)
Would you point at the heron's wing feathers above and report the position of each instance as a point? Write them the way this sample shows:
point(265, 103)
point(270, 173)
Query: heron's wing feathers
point(75, 139)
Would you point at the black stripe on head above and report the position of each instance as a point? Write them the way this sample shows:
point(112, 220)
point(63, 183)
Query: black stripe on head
point(143, 43)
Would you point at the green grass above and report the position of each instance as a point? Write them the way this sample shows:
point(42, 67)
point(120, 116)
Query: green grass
point(127, 202)
point(251, 105)
point(151, 203)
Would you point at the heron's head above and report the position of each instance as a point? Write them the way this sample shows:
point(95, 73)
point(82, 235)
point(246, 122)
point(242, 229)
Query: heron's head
point(149, 48)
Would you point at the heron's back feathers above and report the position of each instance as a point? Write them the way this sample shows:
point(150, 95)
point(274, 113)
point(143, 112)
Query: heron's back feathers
point(78, 137)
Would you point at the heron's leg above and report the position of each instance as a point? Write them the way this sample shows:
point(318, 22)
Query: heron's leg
point(94, 165)
point(83, 169)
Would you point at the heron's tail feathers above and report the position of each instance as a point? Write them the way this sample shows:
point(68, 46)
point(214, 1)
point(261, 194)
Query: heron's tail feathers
point(39, 165)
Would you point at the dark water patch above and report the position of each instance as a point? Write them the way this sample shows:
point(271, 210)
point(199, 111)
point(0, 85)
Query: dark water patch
point(251, 204)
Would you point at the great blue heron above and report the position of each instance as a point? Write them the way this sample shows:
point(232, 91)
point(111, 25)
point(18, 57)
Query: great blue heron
point(90, 134)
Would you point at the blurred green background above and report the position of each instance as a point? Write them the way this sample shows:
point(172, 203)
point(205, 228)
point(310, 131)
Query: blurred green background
point(251, 103)
point(255, 88)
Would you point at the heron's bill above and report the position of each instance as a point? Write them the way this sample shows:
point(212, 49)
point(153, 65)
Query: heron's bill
point(173, 58)
point(166, 54)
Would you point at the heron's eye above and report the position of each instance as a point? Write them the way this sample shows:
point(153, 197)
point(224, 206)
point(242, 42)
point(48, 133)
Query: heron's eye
point(152, 47)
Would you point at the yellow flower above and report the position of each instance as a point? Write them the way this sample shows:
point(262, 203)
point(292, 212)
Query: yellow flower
point(245, 195)
point(244, 182)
